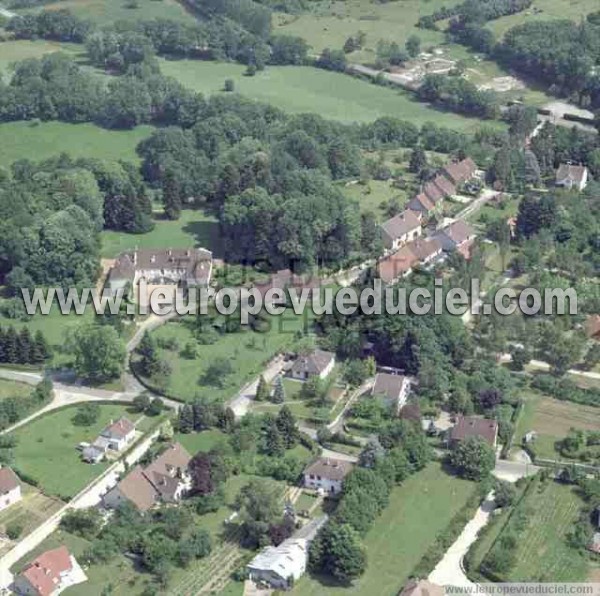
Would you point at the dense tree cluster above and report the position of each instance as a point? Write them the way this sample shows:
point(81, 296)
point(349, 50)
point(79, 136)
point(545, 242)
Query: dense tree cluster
point(58, 25)
point(20, 347)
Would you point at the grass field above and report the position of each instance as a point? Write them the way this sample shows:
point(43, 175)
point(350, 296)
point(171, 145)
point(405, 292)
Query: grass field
point(298, 89)
point(21, 49)
point(37, 141)
point(247, 351)
point(329, 23)
point(13, 389)
point(108, 11)
point(193, 228)
point(551, 9)
point(46, 449)
point(418, 510)
point(203, 441)
point(552, 419)
point(542, 552)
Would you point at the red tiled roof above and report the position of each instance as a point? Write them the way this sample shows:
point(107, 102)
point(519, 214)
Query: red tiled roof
point(396, 265)
point(472, 426)
point(119, 429)
point(44, 572)
point(433, 192)
point(459, 172)
point(8, 480)
point(421, 202)
point(592, 325)
point(444, 185)
point(401, 224)
point(332, 469)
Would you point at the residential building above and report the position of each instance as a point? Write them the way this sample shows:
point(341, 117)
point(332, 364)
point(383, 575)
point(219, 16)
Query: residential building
point(318, 363)
point(422, 204)
point(422, 587)
point(115, 437)
point(571, 176)
point(459, 172)
point(459, 236)
point(594, 545)
point(49, 574)
point(474, 426)
point(446, 187)
point(433, 192)
point(327, 474)
point(285, 279)
point(592, 327)
point(426, 250)
point(400, 229)
point(165, 480)
point(280, 566)
point(164, 269)
point(393, 388)
point(10, 488)
point(396, 265)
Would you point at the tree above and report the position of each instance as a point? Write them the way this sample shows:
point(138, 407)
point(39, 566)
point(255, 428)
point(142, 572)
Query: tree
point(141, 402)
point(185, 419)
point(504, 493)
point(196, 546)
point(258, 504)
point(99, 352)
point(229, 86)
point(262, 390)
point(418, 160)
point(286, 423)
point(372, 452)
point(473, 458)
point(337, 551)
point(275, 444)
point(519, 357)
point(413, 46)
point(278, 392)
point(87, 414)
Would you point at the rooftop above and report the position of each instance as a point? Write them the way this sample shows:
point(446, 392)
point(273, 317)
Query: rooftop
point(474, 426)
point(389, 385)
point(8, 480)
point(401, 224)
point(44, 572)
point(314, 363)
point(332, 469)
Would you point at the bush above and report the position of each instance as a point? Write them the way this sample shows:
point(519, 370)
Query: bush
point(14, 529)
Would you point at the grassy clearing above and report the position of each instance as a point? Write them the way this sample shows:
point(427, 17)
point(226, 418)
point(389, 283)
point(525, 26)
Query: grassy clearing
point(247, 351)
point(38, 141)
point(108, 11)
point(329, 24)
point(13, 389)
point(21, 49)
point(552, 419)
point(203, 441)
point(193, 228)
point(550, 9)
point(542, 552)
point(419, 509)
point(46, 449)
point(299, 89)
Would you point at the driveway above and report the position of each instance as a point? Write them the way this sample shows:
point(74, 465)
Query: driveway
point(449, 571)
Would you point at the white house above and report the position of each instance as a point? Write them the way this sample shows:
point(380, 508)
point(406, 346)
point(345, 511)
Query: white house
point(327, 474)
point(572, 176)
point(316, 364)
point(393, 388)
point(10, 488)
point(49, 574)
point(400, 229)
point(277, 565)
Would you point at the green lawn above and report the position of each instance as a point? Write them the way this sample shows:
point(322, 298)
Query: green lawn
point(419, 509)
point(330, 23)
point(37, 141)
point(193, 228)
point(299, 89)
point(46, 449)
point(108, 11)
point(13, 389)
point(21, 49)
point(542, 552)
point(203, 441)
point(551, 9)
point(248, 352)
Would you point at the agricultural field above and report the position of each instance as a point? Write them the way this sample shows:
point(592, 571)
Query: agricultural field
point(328, 24)
point(37, 141)
point(299, 89)
point(103, 12)
point(549, 9)
point(552, 419)
point(46, 449)
point(542, 552)
point(420, 508)
point(193, 228)
point(247, 351)
point(14, 389)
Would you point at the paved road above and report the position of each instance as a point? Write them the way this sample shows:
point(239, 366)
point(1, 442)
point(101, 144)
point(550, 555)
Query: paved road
point(449, 571)
point(511, 471)
point(540, 364)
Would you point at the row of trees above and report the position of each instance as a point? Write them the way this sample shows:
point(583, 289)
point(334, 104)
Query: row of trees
point(21, 347)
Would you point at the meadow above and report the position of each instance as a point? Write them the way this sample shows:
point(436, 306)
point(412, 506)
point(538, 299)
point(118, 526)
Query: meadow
point(552, 419)
point(47, 452)
point(193, 228)
point(13, 389)
point(248, 351)
point(21, 49)
point(419, 509)
point(298, 89)
point(328, 24)
point(37, 141)
point(103, 12)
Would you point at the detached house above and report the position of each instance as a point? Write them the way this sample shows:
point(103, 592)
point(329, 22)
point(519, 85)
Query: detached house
point(165, 480)
point(280, 566)
point(10, 488)
point(400, 229)
point(473, 426)
point(396, 265)
point(316, 364)
point(49, 574)
point(571, 176)
point(393, 388)
point(115, 437)
point(327, 474)
point(459, 172)
point(459, 236)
